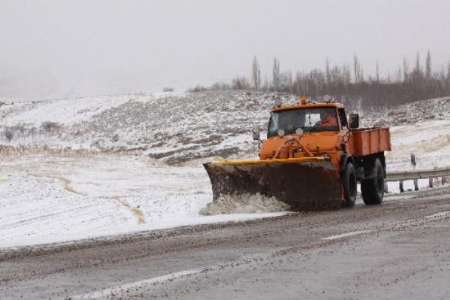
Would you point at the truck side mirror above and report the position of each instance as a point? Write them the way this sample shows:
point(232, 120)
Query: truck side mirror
point(354, 121)
point(255, 132)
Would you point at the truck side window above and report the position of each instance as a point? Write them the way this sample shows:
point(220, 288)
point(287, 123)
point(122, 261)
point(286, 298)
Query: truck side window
point(343, 118)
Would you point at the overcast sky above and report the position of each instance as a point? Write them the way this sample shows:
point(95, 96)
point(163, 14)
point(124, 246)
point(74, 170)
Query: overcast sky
point(58, 48)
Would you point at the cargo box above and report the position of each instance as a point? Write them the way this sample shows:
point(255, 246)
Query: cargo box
point(368, 141)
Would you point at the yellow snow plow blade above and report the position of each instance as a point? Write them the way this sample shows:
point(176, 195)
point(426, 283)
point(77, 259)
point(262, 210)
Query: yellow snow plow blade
point(309, 183)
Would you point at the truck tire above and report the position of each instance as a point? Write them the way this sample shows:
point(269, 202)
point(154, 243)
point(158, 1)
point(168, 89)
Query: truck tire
point(373, 188)
point(350, 185)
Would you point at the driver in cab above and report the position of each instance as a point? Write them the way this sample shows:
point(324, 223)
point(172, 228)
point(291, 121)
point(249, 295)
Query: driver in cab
point(328, 120)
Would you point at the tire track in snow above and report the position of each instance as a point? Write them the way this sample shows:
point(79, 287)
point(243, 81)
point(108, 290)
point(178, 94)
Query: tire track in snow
point(29, 220)
point(134, 210)
point(68, 186)
point(67, 183)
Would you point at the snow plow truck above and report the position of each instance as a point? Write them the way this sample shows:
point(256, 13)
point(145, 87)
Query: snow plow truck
point(312, 159)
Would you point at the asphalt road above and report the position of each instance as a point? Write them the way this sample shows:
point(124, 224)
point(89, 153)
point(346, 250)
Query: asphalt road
point(400, 250)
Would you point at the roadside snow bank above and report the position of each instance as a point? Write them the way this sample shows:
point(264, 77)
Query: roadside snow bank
point(245, 203)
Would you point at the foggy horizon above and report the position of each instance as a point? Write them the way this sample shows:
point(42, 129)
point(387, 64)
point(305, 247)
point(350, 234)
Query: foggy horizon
point(57, 48)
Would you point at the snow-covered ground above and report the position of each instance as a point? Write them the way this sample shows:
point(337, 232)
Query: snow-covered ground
point(428, 140)
point(59, 198)
point(125, 180)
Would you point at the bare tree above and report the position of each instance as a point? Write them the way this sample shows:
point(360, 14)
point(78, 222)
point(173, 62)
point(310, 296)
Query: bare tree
point(418, 68)
point(256, 74)
point(405, 70)
point(327, 71)
point(240, 83)
point(377, 72)
point(399, 74)
point(428, 66)
point(357, 69)
point(276, 74)
point(448, 78)
point(448, 71)
point(266, 84)
point(346, 75)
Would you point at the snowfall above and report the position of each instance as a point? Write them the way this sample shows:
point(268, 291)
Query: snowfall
point(90, 167)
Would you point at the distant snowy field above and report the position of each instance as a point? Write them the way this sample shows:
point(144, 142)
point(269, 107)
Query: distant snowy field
point(125, 180)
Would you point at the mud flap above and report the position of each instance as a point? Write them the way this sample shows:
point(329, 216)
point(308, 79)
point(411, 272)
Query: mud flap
point(304, 186)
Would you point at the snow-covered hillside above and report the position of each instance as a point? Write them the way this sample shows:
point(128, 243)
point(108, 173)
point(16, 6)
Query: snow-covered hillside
point(178, 128)
point(411, 113)
point(173, 128)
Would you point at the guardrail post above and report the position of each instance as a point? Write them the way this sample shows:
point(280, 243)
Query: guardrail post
point(413, 160)
point(430, 182)
point(400, 185)
point(386, 187)
point(416, 184)
point(444, 180)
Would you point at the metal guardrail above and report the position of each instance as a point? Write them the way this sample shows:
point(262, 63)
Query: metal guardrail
point(417, 174)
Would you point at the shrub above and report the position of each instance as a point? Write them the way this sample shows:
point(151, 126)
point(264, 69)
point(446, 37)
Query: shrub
point(50, 126)
point(9, 134)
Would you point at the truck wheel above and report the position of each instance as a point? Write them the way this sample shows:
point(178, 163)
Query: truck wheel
point(349, 183)
point(373, 189)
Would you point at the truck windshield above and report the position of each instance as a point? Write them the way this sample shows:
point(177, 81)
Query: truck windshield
point(307, 119)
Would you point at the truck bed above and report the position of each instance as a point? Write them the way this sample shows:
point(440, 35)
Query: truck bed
point(368, 141)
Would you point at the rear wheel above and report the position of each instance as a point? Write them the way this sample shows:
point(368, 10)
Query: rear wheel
point(373, 189)
point(349, 184)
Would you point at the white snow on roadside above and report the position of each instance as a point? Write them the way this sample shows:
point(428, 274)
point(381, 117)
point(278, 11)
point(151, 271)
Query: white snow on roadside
point(49, 199)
